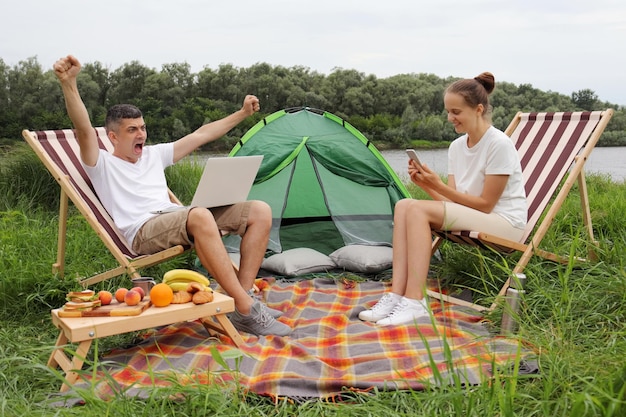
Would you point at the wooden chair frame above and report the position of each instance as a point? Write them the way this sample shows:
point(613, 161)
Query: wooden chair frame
point(59, 152)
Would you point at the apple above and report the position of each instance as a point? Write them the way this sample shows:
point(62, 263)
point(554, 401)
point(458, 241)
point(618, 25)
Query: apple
point(132, 298)
point(140, 291)
point(120, 293)
point(105, 297)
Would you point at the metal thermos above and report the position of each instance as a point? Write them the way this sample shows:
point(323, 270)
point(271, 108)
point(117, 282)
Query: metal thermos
point(513, 300)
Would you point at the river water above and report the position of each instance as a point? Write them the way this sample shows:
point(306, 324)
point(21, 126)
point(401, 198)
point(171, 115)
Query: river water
point(609, 161)
point(606, 160)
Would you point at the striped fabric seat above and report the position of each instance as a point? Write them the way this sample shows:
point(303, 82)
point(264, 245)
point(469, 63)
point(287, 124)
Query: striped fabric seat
point(549, 145)
point(60, 153)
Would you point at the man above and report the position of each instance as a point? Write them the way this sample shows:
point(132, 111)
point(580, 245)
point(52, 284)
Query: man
point(131, 183)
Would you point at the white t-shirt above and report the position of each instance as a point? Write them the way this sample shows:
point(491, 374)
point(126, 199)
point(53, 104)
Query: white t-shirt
point(130, 191)
point(494, 154)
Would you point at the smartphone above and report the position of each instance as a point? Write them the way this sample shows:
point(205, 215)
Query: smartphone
point(413, 155)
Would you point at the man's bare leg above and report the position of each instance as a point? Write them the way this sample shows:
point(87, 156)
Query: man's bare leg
point(213, 256)
point(254, 243)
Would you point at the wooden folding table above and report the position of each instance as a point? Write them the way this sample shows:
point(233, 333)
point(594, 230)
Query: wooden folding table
point(84, 330)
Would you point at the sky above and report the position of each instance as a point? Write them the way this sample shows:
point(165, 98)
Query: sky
point(555, 45)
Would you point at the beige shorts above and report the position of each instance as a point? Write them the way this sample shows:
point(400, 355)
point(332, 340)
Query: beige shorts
point(170, 229)
point(459, 217)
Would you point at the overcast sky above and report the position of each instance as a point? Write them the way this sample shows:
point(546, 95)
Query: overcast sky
point(555, 45)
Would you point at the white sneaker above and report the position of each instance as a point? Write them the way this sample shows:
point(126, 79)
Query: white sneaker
point(381, 309)
point(406, 311)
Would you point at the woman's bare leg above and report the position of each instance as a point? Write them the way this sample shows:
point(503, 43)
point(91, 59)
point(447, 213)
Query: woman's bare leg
point(412, 244)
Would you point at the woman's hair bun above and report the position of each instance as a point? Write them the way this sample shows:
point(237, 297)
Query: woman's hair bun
point(487, 80)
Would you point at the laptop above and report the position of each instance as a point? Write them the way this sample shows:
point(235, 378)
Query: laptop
point(224, 181)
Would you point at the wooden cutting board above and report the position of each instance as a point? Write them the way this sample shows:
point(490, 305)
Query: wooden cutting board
point(114, 309)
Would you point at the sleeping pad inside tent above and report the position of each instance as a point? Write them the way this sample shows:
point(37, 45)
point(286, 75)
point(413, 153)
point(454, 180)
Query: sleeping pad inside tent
point(327, 185)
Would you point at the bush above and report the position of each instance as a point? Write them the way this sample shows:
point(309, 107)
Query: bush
point(25, 182)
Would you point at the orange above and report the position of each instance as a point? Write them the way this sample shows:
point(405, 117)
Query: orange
point(161, 295)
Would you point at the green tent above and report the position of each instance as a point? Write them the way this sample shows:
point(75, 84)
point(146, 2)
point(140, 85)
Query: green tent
point(327, 185)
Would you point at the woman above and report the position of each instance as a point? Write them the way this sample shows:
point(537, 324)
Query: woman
point(485, 192)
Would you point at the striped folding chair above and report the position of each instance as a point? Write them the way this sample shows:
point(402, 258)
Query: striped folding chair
point(59, 151)
point(549, 145)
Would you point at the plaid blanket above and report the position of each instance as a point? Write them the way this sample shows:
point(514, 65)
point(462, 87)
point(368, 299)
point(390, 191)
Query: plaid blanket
point(329, 352)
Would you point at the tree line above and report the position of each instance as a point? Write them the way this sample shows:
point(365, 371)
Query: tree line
point(392, 112)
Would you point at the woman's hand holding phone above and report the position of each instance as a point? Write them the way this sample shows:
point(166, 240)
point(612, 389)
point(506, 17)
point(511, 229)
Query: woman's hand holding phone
point(413, 155)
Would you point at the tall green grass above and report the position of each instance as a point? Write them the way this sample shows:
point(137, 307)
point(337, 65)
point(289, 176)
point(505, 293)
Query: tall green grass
point(573, 315)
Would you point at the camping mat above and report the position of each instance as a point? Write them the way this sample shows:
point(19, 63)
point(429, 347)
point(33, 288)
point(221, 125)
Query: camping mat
point(329, 352)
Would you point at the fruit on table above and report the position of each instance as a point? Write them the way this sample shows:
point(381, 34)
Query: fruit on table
point(178, 279)
point(120, 294)
point(105, 297)
point(140, 291)
point(161, 295)
point(132, 298)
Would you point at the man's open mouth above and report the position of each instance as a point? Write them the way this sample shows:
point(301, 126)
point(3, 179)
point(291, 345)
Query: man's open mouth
point(138, 148)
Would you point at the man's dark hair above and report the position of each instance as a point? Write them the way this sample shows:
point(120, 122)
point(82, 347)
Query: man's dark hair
point(118, 112)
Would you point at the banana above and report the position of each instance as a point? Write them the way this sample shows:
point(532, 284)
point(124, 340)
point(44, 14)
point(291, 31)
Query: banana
point(178, 286)
point(178, 277)
point(184, 286)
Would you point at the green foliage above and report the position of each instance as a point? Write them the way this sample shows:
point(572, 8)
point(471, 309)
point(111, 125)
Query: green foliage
point(572, 315)
point(183, 177)
point(427, 144)
point(25, 182)
point(389, 111)
point(585, 99)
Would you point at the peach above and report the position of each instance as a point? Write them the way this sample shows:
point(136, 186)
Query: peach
point(132, 298)
point(140, 291)
point(105, 297)
point(120, 293)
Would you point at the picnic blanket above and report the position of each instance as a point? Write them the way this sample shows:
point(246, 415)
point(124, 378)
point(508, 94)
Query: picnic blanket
point(329, 352)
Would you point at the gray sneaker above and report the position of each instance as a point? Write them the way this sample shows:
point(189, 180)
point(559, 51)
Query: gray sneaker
point(259, 322)
point(272, 311)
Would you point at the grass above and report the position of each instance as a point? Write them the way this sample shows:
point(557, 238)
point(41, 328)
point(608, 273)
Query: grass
point(572, 314)
point(429, 144)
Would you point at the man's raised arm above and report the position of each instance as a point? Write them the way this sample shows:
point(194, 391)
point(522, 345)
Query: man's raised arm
point(215, 130)
point(66, 70)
